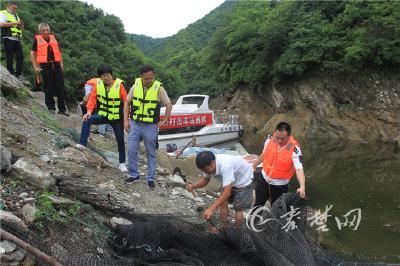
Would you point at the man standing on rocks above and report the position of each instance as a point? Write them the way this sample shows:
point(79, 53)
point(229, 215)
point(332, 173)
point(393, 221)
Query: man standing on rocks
point(108, 97)
point(143, 107)
point(236, 175)
point(46, 59)
point(11, 35)
point(280, 159)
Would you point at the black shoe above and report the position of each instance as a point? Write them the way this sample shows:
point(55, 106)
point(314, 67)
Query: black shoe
point(130, 180)
point(151, 185)
point(63, 113)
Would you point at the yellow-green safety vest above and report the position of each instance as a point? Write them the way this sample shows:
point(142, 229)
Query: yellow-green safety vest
point(13, 31)
point(109, 102)
point(145, 109)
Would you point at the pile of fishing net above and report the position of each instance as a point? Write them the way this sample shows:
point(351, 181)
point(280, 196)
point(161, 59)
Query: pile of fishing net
point(177, 240)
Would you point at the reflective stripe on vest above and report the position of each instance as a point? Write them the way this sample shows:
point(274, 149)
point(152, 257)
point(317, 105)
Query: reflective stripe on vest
point(42, 49)
point(278, 164)
point(144, 108)
point(15, 31)
point(109, 103)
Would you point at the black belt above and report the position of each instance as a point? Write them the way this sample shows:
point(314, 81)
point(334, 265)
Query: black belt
point(49, 63)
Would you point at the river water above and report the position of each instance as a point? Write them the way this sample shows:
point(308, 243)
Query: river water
point(350, 176)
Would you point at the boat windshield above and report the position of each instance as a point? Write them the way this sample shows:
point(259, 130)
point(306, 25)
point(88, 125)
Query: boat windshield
point(193, 100)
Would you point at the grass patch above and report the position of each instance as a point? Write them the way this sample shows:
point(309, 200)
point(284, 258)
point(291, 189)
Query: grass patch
point(48, 119)
point(20, 94)
point(48, 213)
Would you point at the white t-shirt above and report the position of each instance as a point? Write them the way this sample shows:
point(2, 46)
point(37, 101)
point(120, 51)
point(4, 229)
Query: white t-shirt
point(233, 170)
point(297, 158)
point(88, 89)
point(3, 19)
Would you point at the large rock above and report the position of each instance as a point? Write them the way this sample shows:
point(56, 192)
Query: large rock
point(60, 201)
point(5, 157)
point(7, 246)
point(83, 157)
point(162, 171)
point(176, 181)
point(106, 195)
point(74, 155)
point(183, 192)
point(32, 174)
point(116, 221)
point(28, 212)
point(11, 219)
point(9, 83)
point(29, 260)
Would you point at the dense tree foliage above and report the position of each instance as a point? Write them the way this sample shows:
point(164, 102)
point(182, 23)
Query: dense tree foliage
point(249, 43)
point(264, 42)
point(182, 51)
point(147, 45)
point(257, 42)
point(88, 38)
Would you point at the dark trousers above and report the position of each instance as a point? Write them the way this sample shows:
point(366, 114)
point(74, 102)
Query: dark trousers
point(11, 48)
point(53, 85)
point(117, 126)
point(265, 191)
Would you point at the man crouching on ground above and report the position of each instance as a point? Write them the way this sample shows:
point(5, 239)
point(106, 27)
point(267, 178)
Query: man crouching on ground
point(236, 175)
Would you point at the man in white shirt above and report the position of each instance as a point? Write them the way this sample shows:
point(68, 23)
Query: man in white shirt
point(281, 158)
point(236, 176)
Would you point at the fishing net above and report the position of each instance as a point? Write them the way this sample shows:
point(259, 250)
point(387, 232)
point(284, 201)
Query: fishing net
point(177, 240)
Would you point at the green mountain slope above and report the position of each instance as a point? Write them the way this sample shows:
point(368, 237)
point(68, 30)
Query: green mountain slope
point(253, 43)
point(88, 38)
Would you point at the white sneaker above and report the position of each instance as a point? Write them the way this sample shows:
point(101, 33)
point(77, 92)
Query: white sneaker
point(122, 168)
point(80, 146)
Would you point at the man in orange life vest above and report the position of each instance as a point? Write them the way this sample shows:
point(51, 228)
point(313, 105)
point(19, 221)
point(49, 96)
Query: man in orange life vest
point(280, 159)
point(46, 59)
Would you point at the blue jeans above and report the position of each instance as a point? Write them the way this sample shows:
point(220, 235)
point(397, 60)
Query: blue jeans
point(149, 134)
point(117, 126)
point(104, 129)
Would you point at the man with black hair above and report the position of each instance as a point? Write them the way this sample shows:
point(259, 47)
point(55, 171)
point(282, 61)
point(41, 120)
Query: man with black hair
point(281, 158)
point(142, 106)
point(236, 177)
point(11, 34)
point(107, 96)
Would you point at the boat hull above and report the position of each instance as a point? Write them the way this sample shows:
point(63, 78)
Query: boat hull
point(206, 139)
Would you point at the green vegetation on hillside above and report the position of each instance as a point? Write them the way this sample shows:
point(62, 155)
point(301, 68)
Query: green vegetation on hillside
point(253, 43)
point(88, 38)
point(182, 51)
point(261, 42)
point(241, 43)
point(147, 45)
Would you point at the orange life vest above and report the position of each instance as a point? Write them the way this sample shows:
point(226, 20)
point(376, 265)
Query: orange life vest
point(278, 163)
point(92, 82)
point(42, 48)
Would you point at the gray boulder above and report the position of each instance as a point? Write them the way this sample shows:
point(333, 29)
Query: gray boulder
point(9, 83)
point(32, 174)
point(5, 158)
point(10, 218)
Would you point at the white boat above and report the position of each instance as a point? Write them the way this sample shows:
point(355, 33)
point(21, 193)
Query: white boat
point(193, 123)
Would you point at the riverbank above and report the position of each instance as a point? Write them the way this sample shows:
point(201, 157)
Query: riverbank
point(358, 107)
point(89, 190)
